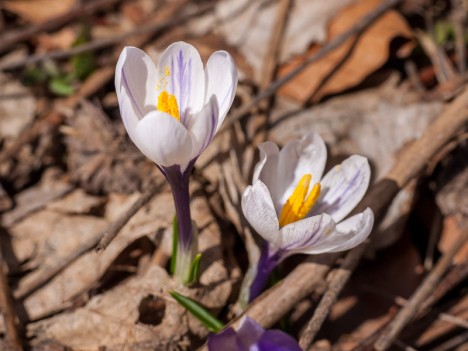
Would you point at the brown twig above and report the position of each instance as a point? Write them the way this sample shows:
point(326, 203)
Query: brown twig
point(361, 25)
point(100, 241)
point(7, 312)
point(8, 39)
point(456, 275)
point(151, 28)
point(459, 17)
point(410, 163)
point(423, 292)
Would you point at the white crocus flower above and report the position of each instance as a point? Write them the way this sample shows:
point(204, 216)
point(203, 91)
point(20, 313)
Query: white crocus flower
point(297, 211)
point(171, 112)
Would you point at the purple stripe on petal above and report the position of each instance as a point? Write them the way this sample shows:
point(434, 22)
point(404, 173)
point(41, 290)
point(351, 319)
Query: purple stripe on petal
point(308, 240)
point(129, 92)
point(347, 189)
point(181, 84)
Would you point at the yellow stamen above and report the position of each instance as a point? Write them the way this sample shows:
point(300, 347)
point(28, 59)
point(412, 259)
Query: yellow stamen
point(167, 71)
point(297, 206)
point(168, 103)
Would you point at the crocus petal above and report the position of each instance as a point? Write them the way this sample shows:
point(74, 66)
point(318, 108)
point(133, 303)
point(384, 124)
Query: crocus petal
point(249, 331)
point(276, 340)
point(129, 114)
point(343, 187)
point(203, 127)
point(302, 235)
point(299, 157)
point(227, 340)
point(267, 168)
point(259, 211)
point(180, 73)
point(221, 79)
point(164, 140)
point(135, 77)
point(347, 234)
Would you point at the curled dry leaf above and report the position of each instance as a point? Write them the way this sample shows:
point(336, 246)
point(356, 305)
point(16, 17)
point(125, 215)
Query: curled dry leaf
point(351, 62)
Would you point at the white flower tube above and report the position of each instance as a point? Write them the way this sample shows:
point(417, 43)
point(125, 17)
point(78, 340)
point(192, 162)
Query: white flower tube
point(297, 211)
point(171, 112)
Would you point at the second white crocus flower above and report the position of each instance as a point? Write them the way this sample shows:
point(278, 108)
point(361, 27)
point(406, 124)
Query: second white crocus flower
point(297, 211)
point(171, 112)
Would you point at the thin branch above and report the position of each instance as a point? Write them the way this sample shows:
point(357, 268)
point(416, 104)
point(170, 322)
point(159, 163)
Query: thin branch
point(115, 227)
point(7, 312)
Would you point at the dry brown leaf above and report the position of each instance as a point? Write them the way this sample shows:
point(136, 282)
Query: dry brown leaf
point(348, 64)
point(17, 107)
point(245, 24)
point(37, 11)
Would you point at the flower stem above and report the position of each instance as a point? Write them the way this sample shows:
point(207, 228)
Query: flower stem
point(266, 263)
point(187, 241)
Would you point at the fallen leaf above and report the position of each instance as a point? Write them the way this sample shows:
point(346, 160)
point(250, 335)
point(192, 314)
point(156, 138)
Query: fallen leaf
point(351, 62)
point(245, 24)
point(37, 11)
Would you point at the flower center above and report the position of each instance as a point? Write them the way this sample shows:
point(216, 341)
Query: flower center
point(168, 103)
point(299, 204)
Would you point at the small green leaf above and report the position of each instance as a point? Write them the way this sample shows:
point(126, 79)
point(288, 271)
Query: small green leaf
point(175, 242)
point(194, 269)
point(84, 63)
point(211, 322)
point(61, 85)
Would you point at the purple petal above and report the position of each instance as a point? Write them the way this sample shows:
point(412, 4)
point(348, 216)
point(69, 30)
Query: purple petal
point(227, 340)
point(249, 331)
point(276, 340)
